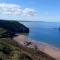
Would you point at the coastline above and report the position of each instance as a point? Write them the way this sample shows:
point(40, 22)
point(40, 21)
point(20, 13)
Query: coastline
point(46, 48)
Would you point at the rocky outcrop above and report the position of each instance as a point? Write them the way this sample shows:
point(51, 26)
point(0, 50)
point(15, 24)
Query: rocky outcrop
point(13, 26)
point(59, 28)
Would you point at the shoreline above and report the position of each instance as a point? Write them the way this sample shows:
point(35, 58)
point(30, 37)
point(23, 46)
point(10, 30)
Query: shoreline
point(43, 43)
point(44, 47)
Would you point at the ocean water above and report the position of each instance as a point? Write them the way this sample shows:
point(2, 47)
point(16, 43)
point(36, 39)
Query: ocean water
point(47, 32)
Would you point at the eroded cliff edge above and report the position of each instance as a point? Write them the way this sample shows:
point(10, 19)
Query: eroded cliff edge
point(14, 26)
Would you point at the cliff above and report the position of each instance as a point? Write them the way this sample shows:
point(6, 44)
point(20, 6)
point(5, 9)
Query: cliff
point(13, 26)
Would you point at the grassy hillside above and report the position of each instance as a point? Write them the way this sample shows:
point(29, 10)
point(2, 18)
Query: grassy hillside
point(10, 51)
point(2, 30)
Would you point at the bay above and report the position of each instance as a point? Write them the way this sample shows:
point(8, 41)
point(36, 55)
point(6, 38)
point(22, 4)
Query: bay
point(47, 32)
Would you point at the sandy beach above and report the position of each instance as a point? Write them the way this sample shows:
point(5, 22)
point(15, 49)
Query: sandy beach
point(46, 48)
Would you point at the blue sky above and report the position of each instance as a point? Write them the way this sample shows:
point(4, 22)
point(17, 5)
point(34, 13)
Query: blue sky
point(34, 10)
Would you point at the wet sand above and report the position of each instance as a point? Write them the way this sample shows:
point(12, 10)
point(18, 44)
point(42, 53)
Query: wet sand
point(46, 48)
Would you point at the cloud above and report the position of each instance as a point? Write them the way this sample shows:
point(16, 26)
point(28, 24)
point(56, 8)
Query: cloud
point(30, 12)
point(16, 10)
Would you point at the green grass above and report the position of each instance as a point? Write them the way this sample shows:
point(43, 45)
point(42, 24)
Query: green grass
point(15, 54)
point(2, 30)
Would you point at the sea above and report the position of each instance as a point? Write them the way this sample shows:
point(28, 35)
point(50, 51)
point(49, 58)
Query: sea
point(47, 32)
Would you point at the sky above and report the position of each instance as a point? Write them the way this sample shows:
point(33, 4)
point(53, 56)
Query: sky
point(30, 10)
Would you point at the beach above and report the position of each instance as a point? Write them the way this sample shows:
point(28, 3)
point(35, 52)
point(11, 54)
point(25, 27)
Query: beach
point(46, 48)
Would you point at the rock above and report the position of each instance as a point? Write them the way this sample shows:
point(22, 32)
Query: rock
point(59, 28)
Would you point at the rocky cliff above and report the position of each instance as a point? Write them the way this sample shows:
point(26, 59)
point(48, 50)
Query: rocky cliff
point(13, 27)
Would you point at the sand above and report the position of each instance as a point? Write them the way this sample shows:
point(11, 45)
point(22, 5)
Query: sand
point(46, 48)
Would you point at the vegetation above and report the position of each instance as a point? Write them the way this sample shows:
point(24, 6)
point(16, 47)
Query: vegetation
point(2, 30)
point(14, 26)
point(10, 50)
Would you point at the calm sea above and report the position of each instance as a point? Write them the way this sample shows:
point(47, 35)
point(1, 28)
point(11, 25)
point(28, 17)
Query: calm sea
point(45, 32)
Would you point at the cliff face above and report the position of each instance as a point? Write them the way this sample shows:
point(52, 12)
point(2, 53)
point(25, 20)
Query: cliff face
point(13, 26)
